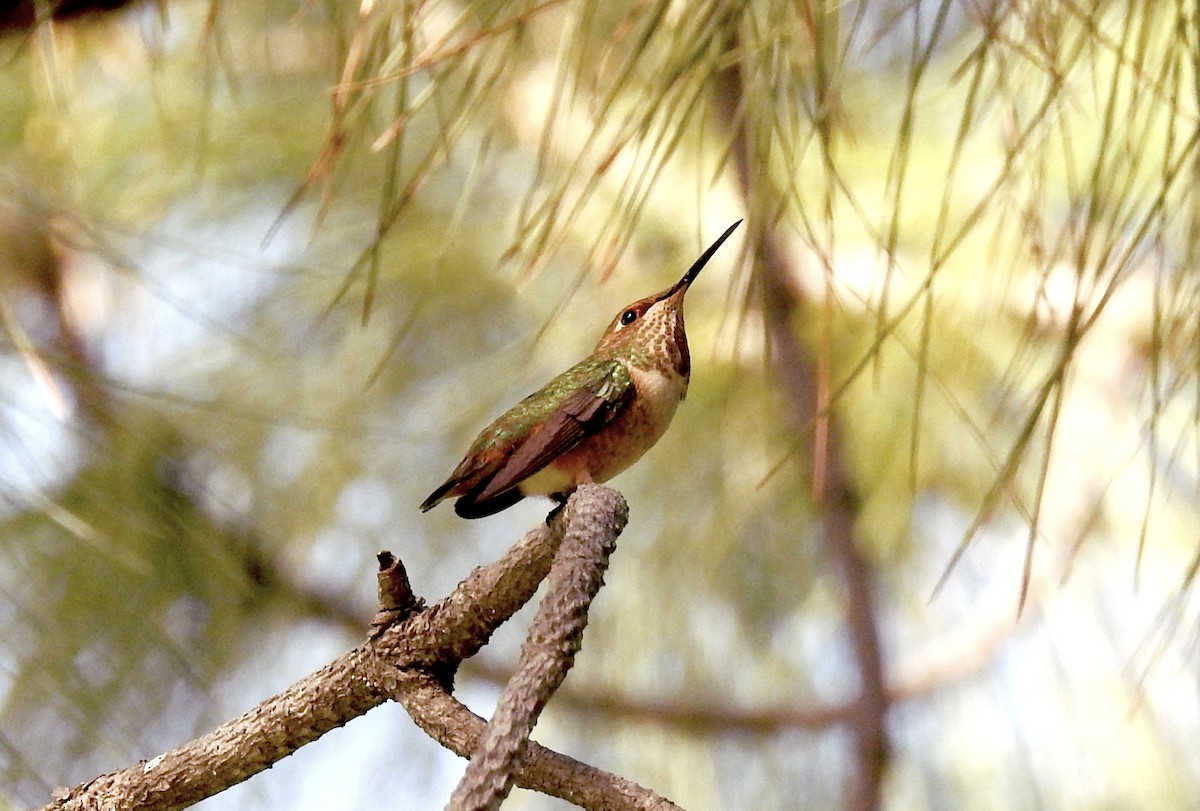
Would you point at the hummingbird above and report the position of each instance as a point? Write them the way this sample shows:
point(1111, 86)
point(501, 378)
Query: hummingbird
point(593, 420)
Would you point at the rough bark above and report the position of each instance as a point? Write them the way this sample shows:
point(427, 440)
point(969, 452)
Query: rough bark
point(410, 660)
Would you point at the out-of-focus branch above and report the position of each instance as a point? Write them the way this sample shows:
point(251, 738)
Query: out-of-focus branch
point(943, 662)
point(23, 15)
point(36, 264)
point(795, 370)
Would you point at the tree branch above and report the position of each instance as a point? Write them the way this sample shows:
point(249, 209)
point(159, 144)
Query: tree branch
point(796, 371)
point(554, 638)
point(407, 661)
point(454, 726)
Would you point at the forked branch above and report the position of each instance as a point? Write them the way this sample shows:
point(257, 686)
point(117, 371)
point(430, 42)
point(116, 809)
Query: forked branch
point(410, 657)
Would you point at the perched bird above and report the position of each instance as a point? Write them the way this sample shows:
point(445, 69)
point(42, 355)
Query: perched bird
point(592, 421)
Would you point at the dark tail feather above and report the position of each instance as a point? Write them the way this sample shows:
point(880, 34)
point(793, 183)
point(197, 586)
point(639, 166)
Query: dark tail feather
point(436, 496)
point(468, 507)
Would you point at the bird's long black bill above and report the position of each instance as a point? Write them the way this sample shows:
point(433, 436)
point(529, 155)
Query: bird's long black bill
point(699, 264)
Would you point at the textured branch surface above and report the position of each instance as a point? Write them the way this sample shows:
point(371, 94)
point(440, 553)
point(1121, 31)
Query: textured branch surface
point(236, 750)
point(406, 661)
point(593, 524)
point(454, 726)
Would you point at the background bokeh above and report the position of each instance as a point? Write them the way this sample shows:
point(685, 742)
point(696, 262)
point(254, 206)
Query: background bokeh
point(923, 534)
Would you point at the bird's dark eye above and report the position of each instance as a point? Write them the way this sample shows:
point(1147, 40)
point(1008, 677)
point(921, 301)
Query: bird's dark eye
point(628, 317)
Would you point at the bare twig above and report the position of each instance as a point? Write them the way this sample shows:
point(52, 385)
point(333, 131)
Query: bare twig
point(396, 598)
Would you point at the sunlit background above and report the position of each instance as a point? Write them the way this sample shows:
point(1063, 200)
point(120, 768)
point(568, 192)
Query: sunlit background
point(266, 269)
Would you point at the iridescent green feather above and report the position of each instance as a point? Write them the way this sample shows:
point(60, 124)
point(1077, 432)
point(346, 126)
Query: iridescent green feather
point(519, 420)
